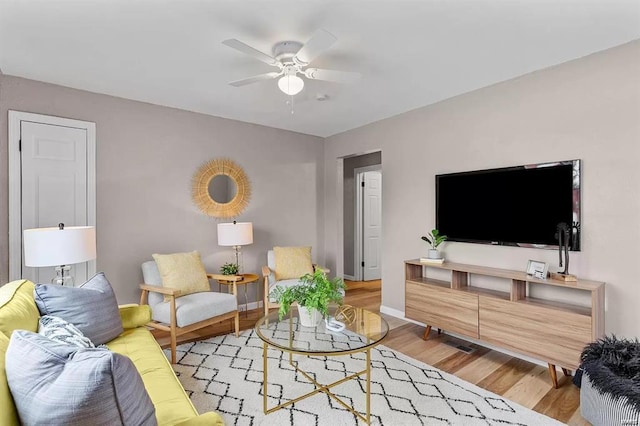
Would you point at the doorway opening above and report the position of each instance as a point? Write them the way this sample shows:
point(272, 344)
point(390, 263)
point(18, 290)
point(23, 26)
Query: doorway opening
point(362, 220)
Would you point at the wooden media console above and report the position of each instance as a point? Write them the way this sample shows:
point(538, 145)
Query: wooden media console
point(548, 330)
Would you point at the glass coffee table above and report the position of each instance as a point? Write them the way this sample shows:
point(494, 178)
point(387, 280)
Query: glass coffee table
point(364, 330)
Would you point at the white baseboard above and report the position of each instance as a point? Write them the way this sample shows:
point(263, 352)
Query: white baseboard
point(348, 277)
point(400, 314)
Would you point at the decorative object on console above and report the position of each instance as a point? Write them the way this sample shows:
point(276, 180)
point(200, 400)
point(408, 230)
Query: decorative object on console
point(538, 269)
point(314, 294)
point(434, 239)
point(59, 247)
point(220, 188)
point(562, 235)
point(236, 235)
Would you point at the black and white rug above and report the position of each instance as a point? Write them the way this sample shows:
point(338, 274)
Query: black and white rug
point(224, 374)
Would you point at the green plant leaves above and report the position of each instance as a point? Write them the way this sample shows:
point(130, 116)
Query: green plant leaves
point(435, 240)
point(316, 291)
point(229, 269)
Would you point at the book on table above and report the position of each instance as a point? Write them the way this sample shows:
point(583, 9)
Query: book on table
point(429, 260)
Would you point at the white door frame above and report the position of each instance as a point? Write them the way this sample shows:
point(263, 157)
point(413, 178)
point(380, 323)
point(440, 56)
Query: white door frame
point(358, 243)
point(15, 173)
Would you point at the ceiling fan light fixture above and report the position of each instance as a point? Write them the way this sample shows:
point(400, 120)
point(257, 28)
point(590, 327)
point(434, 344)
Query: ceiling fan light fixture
point(291, 84)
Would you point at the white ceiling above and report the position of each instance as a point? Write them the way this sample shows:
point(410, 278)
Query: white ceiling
point(411, 53)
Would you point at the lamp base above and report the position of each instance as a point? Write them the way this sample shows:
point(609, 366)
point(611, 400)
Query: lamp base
point(563, 277)
point(62, 276)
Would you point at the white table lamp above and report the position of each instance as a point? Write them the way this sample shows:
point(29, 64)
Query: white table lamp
point(235, 235)
point(59, 247)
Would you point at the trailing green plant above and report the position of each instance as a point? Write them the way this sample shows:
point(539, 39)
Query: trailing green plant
point(316, 291)
point(434, 238)
point(229, 269)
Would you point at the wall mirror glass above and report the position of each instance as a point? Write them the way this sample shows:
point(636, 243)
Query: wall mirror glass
point(220, 188)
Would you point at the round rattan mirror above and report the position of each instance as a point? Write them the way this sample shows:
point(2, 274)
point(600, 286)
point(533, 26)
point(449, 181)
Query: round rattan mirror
point(205, 195)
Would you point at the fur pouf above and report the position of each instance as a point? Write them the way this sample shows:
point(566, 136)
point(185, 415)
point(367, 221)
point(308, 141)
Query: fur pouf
point(613, 366)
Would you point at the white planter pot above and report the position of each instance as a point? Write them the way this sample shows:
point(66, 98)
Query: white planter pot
point(434, 254)
point(309, 317)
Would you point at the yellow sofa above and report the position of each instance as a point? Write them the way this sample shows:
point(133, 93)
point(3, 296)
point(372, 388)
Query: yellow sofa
point(173, 407)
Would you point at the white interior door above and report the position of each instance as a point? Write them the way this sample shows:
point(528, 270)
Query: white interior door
point(372, 225)
point(52, 180)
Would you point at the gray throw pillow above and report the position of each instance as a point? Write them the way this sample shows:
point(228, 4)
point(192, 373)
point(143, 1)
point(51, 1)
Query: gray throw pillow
point(56, 383)
point(55, 328)
point(92, 307)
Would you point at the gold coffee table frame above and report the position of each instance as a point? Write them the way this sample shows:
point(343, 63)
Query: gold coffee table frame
point(370, 327)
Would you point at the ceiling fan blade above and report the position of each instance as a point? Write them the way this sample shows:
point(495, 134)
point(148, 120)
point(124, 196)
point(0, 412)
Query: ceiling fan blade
point(318, 43)
point(332, 75)
point(255, 79)
point(248, 50)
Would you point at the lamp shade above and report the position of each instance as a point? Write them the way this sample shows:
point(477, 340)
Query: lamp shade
point(56, 247)
point(235, 234)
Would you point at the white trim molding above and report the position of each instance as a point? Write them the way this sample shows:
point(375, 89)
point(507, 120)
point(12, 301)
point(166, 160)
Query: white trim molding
point(15, 172)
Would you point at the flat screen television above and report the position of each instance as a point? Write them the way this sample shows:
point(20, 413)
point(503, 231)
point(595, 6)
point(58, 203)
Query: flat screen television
point(519, 206)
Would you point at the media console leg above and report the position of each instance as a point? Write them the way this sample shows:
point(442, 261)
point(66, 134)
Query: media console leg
point(566, 372)
point(554, 376)
point(427, 330)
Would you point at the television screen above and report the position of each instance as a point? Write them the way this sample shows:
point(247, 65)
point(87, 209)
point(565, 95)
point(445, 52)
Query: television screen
point(519, 206)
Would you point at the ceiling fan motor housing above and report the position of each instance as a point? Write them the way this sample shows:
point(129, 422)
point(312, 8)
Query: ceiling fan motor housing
point(286, 50)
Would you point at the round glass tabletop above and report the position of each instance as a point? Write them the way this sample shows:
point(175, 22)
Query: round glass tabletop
point(363, 329)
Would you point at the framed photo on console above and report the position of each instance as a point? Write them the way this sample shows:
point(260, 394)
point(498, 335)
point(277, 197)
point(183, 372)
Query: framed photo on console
point(537, 269)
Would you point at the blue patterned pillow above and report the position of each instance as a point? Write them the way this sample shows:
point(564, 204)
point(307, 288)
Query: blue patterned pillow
point(92, 307)
point(54, 383)
point(55, 328)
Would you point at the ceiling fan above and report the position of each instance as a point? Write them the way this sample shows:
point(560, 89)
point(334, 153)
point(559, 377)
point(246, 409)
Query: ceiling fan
point(292, 58)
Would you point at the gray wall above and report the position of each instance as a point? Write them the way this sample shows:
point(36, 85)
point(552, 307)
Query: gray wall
point(146, 156)
point(349, 197)
point(587, 109)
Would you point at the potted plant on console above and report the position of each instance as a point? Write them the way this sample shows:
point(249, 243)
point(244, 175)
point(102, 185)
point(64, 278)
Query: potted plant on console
point(313, 296)
point(434, 239)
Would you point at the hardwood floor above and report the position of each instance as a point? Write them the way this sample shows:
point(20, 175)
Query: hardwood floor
point(523, 382)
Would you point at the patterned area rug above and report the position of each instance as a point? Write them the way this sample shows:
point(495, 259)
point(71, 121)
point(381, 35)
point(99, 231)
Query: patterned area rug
point(224, 374)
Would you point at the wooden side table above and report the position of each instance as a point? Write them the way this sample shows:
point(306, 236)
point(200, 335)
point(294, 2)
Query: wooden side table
point(246, 279)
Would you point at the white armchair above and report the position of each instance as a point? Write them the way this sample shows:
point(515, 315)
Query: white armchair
point(183, 314)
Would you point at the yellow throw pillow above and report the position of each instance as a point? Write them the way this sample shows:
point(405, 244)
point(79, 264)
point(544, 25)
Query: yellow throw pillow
point(183, 271)
point(292, 262)
point(18, 310)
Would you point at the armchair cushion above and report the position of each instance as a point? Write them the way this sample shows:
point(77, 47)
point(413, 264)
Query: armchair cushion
point(92, 307)
point(56, 383)
point(196, 307)
point(292, 262)
point(183, 271)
